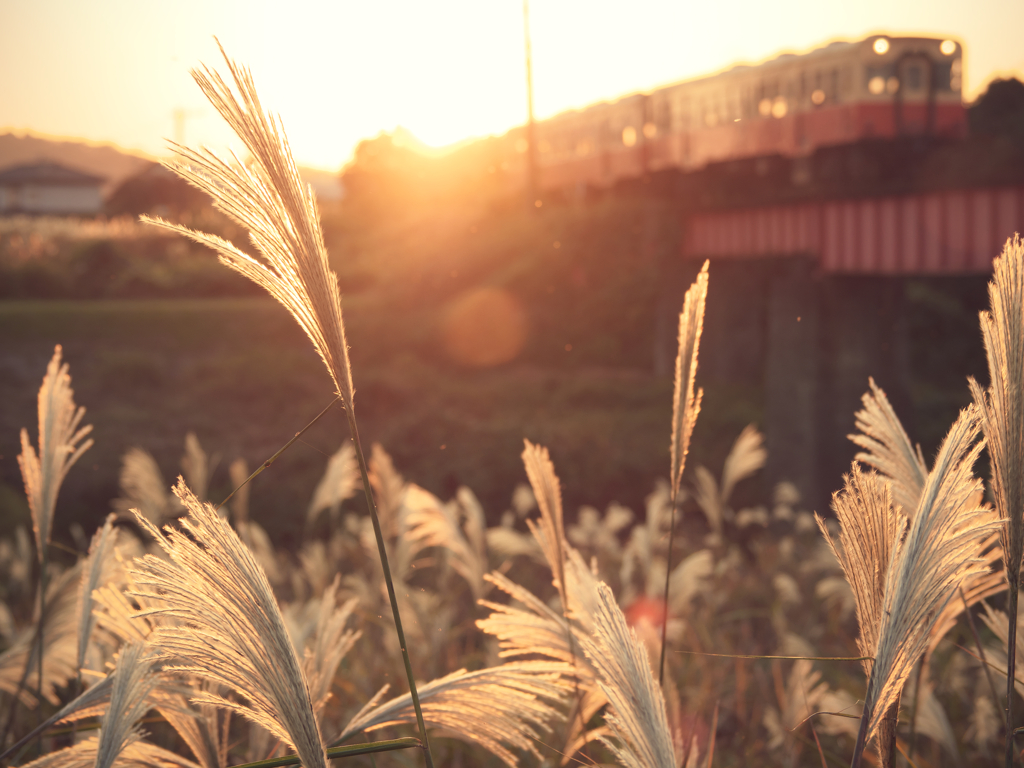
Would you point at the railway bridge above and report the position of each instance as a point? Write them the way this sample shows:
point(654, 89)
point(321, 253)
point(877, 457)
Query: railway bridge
point(822, 270)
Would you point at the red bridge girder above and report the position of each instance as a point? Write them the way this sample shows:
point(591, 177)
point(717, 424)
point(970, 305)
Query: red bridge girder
point(949, 232)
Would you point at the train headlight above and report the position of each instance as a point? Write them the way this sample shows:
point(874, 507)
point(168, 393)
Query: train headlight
point(779, 107)
point(818, 97)
point(764, 107)
point(881, 46)
point(948, 47)
point(876, 85)
point(629, 135)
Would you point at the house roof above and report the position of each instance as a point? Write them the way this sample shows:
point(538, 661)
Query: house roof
point(47, 173)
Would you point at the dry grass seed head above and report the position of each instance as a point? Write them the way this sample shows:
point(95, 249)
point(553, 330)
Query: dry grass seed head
point(143, 488)
point(268, 198)
point(938, 554)
point(887, 448)
point(96, 570)
point(550, 532)
point(501, 708)
point(225, 625)
point(871, 529)
point(1002, 404)
point(60, 446)
point(638, 719)
point(685, 403)
point(133, 681)
point(340, 482)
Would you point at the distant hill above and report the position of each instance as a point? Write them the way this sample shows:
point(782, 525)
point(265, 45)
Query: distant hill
point(106, 161)
point(116, 165)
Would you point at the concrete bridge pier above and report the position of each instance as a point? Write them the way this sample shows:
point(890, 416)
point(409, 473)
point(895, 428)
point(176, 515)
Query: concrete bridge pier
point(791, 375)
point(864, 334)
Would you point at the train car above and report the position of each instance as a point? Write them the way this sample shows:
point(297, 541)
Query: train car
point(879, 87)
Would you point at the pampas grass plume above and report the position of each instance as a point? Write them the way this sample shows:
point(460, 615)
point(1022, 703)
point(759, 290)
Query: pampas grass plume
point(60, 446)
point(218, 616)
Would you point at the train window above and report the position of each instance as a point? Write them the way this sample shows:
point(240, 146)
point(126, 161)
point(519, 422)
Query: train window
point(834, 84)
point(818, 97)
point(913, 77)
point(954, 74)
point(629, 135)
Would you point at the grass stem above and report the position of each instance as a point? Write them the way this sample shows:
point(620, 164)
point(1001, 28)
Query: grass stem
point(668, 580)
point(382, 549)
point(1011, 661)
point(266, 464)
point(335, 753)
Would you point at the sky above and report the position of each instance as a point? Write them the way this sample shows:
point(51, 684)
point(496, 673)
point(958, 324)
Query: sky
point(116, 71)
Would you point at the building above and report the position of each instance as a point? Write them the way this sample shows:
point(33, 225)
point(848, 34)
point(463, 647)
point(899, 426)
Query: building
point(49, 188)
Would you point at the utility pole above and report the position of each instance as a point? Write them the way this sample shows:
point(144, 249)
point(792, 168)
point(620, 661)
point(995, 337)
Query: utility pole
point(532, 187)
point(180, 116)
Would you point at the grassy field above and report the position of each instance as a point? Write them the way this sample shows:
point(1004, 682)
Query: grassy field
point(239, 374)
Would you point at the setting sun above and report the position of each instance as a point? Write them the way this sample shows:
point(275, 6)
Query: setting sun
point(117, 71)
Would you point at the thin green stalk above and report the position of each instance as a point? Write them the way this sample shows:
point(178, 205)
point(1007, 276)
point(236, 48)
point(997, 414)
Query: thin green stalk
point(275, 457)
point(43, 561)
point(1011, 661)
point(335, 753)
point(668, 579)
point(353, 429)
point(862, 733)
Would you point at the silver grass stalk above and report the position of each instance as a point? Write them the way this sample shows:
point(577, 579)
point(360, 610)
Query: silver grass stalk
point(500, 708)
point(938, 554)
point(143, 488)
point(95, 571)
point(1002, 410)
point(331, 641)
point(685, 408)
point(268, 197)
point(133, 681)
point(437, 525)
point(534, 629)
point(888, 449)
point(340, 482)
point(550, 535)
point(60, 446)
point(870, 532)
point(195, 466)
point(21, 664)
point(686, 402)
point(204, 728)
point(638, 719)
point(218, 615)
point(746, 457)
point(548, 491)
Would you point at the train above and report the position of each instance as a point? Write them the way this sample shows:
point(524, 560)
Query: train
point(881, 87)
